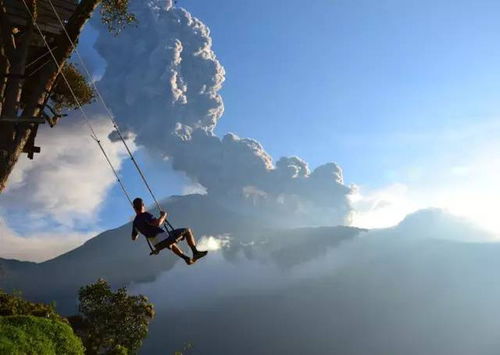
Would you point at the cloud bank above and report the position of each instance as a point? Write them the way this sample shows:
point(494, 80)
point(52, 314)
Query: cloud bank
point(50, 198)
point(167, 93)
point(212, 243)
point(69, 179)
point(38, 247)
point(404, 290)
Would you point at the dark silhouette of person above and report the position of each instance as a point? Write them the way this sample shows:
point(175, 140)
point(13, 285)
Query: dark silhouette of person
point(147, 225)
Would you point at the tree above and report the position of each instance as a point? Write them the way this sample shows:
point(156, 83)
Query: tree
point(15, 305)
point(111, 322)
point(34, 328)
point(62, 95)
point(24, 98)
point(35, 335)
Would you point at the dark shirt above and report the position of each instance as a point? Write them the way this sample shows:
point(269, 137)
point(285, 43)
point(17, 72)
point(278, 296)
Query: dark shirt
point(142, 224)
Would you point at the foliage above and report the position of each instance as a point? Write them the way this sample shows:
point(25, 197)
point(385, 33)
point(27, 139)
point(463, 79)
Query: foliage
point(111, 322)
point(115, 15)
point(35, 335)
point(119, 350)
point(13, 305)
point(61, 94)
point(185, 350)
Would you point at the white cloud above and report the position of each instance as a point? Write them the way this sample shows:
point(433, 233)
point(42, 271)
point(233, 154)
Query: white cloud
point(459, 175)
point(211, 243)
point(58, 192)
point(474, 195)
point(194, 188)
point(382, 207)
point(38, 246)
point(69, 179)
point(469, 190)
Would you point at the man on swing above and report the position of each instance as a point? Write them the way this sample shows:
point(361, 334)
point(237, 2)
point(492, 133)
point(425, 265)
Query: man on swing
point(149, 226)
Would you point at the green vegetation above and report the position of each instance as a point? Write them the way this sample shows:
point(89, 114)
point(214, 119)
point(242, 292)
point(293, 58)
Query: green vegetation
point(34, 328)
point(35, 335)
point(15, 305)
point(111, 322)
point(115, 15)
point(61, 95)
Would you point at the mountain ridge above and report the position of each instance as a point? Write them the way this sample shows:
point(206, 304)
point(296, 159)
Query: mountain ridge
point(113, 256)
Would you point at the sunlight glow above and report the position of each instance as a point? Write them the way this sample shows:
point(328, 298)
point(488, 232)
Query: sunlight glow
point(471, 192)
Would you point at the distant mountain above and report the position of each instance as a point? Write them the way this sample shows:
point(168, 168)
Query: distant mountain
point(438, 224)
point(413, 289)
point(409, 290)
point(113, 256)
point(11, 266)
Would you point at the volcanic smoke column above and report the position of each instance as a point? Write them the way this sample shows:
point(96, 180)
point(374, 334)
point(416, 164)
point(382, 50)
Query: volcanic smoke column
point(162, 82)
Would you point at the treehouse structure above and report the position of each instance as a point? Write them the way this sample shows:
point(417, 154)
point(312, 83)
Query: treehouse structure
point(46, 19)
point(18, 25)
point(37, 84)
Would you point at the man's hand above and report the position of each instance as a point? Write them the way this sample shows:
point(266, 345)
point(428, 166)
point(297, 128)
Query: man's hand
point(157, 222)
point(163, 217)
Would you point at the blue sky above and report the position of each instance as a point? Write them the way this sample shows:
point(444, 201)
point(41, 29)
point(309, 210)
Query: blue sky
point(305, 77)
point(403, 95)
point(378, 87)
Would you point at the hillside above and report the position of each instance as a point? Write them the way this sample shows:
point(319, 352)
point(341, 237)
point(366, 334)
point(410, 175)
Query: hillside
point(113, 256)
point(391, 291)
point(416, 288)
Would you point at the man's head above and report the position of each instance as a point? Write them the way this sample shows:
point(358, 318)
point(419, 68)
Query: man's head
point(138, 205)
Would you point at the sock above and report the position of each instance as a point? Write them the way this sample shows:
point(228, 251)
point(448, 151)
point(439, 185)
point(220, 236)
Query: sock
point(193, 249)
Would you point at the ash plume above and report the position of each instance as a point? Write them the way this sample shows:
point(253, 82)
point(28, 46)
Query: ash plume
point(162, 82)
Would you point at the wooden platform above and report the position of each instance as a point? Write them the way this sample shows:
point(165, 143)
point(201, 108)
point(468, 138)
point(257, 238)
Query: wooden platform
point(47, 20)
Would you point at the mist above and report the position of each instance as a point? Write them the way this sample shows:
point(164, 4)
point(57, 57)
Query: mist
point(384, 291)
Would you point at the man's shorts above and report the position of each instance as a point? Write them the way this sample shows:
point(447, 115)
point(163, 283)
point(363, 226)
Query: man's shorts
point(167, 239)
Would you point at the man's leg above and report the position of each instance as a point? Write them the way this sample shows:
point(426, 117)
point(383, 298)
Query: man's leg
point(188, 234)
point(179, 252)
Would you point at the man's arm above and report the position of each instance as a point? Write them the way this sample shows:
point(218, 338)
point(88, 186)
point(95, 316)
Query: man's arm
point(135, 233)
point(157, 222)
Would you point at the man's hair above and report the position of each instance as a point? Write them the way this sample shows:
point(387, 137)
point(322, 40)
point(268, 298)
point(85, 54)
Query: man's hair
point(138, 203)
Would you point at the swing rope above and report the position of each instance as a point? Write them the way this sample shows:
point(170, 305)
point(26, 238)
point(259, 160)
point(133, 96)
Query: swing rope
point(89, 124)
point(108, 112)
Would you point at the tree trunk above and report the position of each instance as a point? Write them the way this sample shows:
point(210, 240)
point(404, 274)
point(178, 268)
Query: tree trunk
point(13, 88)
point(13, 138)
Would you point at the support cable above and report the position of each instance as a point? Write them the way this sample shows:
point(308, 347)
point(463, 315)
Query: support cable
point(87, 120)
point(111, 117)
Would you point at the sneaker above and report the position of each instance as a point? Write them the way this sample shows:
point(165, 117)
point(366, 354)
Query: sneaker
point(199, 254)
point(189, 261)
